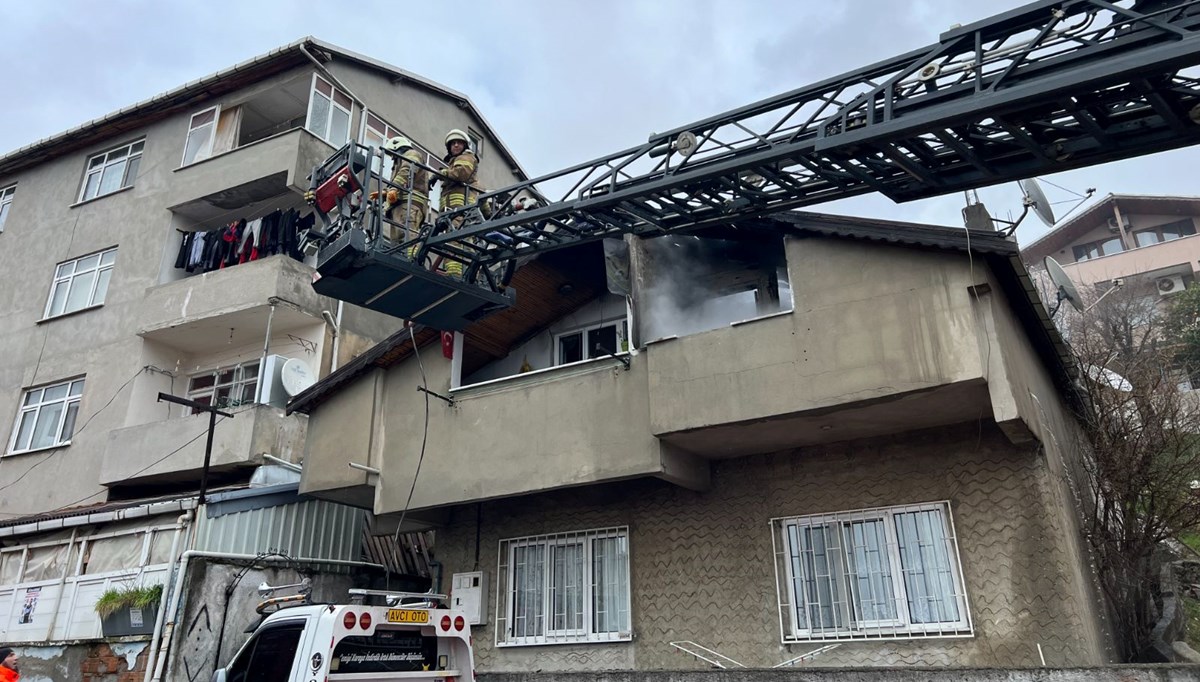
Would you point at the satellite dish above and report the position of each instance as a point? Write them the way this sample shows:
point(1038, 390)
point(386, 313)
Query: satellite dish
point(1107, 377)
point(1063, 285)
point(1036, 198)
point(296, 376)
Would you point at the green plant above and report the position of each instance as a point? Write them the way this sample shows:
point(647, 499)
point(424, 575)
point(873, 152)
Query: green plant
point(116, 598)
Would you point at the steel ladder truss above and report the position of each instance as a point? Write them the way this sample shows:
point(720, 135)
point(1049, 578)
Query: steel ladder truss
point(1050, 86)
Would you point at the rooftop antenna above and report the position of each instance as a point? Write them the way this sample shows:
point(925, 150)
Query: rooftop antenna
point(976, 216)
point(1064, 288)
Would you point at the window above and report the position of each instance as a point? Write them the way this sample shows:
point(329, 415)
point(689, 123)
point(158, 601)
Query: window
point(225, 387)
point(111, 171)
point(476, 142)
point(267, 657)
point(80, 283)
point(567, 587)
point(596, 341)
point(6, 197)
point(199, 143)
point(874, 573)
point(1165, 233)
point(329, 113)
point(47, 416)
point(1104, 247)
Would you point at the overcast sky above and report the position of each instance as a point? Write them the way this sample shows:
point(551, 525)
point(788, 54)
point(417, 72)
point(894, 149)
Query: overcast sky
point(562, 81)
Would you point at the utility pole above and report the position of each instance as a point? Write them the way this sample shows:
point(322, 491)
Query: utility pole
point(212, 422)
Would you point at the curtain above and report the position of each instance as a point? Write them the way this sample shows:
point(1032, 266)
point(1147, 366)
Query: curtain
point(870, 574)
point(227, 130)
point(610, 581)
point(566, 588)
point(529, 575)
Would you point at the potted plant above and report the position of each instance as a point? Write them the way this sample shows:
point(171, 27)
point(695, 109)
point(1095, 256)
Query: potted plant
point(129, 609)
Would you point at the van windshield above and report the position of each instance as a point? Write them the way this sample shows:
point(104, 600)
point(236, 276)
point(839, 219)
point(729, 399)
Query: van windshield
point(386, 651)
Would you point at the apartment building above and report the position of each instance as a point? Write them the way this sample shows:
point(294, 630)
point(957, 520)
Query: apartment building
point(815, 439)
point(157, 250)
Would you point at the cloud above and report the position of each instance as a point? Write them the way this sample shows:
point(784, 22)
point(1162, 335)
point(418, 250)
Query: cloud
point(563, 81)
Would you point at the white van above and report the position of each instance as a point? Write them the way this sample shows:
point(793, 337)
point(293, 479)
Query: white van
point(311, 642)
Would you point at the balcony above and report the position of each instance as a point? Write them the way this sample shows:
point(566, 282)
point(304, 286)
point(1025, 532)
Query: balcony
point(1176, 256)
point(256, 172)
point(565, 426)
point(198, 313)
point(136, 454)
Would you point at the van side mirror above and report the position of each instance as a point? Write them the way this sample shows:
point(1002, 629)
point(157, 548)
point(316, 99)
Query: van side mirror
point(218, 675)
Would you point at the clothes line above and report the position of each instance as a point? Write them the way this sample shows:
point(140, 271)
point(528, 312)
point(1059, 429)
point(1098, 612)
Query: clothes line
point(242, 241)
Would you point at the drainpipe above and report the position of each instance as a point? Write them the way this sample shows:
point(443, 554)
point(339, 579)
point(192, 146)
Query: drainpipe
point(262, 363)
point(183, 522)
point(331, 77)
point(185, 561)
point(337, 338)
point(62, 582)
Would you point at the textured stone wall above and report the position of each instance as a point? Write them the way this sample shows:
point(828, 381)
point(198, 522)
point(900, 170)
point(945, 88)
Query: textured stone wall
point(701, 563)
point(1123, 673)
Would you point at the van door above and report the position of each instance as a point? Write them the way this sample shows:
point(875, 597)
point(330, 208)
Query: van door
point(269, 656)
point(387, 650)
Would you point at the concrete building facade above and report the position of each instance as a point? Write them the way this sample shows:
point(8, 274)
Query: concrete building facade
point(108, 299)
point(834, 435)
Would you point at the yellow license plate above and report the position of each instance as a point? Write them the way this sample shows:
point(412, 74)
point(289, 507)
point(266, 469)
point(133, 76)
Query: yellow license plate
point(407, 616)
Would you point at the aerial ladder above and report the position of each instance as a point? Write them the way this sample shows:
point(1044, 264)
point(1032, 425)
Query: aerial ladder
point(1049, 86)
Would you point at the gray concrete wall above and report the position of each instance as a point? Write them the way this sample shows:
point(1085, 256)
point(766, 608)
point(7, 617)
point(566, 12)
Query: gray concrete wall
point(1121, 673)
point(869, 322)
point(424, 117)
point(46, 226)
point(205, 611)
point(702, 565)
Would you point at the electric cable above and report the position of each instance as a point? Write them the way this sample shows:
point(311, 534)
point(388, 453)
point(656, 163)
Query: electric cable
point(424, 433)
point(139, 471)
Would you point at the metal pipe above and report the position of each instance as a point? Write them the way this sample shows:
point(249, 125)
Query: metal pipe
point(156, 639)
point(185, 561)
point(262, 363)
point(283, 463)
point(337, 338)
point(62, 581)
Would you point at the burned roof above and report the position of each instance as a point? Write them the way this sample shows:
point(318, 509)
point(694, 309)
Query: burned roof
point(540, 281)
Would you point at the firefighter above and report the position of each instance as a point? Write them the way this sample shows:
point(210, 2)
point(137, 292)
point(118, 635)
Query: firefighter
point(408, 202)
point(458, 182)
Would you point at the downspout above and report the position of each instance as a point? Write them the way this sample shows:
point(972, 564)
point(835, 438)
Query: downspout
point(185, 561)
point(182, 523)
point(262, 363)
point(337, 338)
point(330, 76)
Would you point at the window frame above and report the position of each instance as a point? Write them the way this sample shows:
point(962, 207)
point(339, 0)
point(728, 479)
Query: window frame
point(68, 280)
point(1184, 224)
point(236, 385)
point(476, 141)
point(205, 152)
point(6, 199)
point(1098, 246)
point(246, 654)
point(588, 632)
point(313, 93)
point(845, 627)
point(106, 163)
point(622, 334)
point(26, 407)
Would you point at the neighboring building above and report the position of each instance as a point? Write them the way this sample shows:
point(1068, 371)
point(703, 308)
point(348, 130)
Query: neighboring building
point(1148, 243)
point(824, 431)
point(107, 298)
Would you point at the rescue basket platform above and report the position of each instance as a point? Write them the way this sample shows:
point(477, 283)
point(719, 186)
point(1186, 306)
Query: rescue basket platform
point(351, 270)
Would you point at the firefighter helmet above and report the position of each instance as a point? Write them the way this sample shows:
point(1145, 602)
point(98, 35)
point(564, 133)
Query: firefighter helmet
point(457, 134)
point(397, 143)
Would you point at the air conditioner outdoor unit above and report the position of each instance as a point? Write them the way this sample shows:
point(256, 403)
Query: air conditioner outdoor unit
point(1171, 284)
point(1113, 226)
